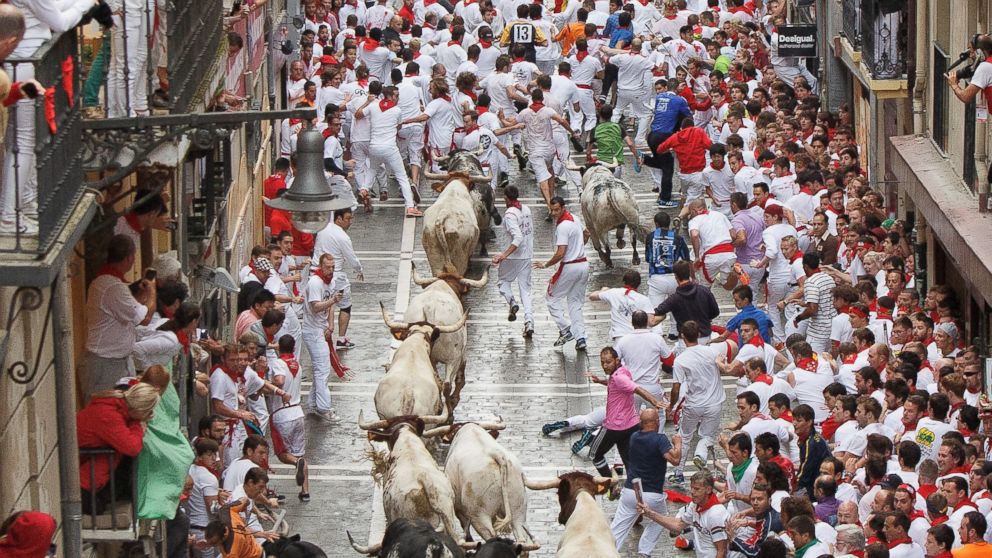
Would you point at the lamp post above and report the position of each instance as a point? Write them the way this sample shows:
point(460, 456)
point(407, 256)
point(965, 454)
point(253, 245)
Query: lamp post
point(309, 200)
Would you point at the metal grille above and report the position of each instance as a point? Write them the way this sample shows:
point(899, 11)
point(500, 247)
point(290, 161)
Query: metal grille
point(938, 112)
point(883, 37)
point(851, 11)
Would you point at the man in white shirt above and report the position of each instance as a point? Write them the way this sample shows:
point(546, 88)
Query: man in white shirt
point(385, 118)
point(514, 263)
point(113, 315)
point(321, 295)
point(701, 402)
point(711, 245)
point(229, 390)
point(777, 264)
point(642, 352)
point(754, 423)
point(411, 102)
point(451, 55)
point(719, 181)
point(334, 240)
point(623, 301)
point(705, 515)
point(585, 68)
point(567, 288)
point(289, 435)
point(536, 122)
point(634, 86)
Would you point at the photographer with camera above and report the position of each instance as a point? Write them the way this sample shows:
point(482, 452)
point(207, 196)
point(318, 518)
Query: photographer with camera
point(979, 73)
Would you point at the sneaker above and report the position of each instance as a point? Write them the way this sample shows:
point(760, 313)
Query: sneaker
point(582, 442)
point(304, 496)
point(563, 338)
point(547, 218)
point(383, 195)
point(329, 416)
point(699, 462)
point(300, 472)
point(668, 204)
point(655, 189)
point(672, 337)
point(344, 344)
point(553, 426)
point(414, 212)
point(742, 276)
point(637, 162)
point(528, 329)
point(513, 313)
point(580, 345)
point(676, 478)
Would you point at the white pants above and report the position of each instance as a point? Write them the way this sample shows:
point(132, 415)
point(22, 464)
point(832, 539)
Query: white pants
point(594, 419)
point(626, 515)
point(705, 421)
point(692, 185)
point(660, 287)
point(562, 158)
point(389, 157)
point(634, 100)
point(260, 409)
point(320, 358)
point(20, 188)
point(754, 273)
point(412, 144)
point(587, 105)
point(777, 290)
point(569, 293)
point(718, 266)
point(360, 153)
point(128, 51)
point(519, 271)
point(658, 393)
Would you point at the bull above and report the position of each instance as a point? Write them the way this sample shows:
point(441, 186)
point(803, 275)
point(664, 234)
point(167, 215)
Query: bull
point(411, 538)
point(411, 386)
point(487, 479)
point(413, 487)
point(441, 303)
point(608, 203)
point(499, 548)
point(461, 164)
point(292, 547)
point(587, 532)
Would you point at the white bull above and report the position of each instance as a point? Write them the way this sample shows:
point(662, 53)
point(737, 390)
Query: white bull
point(608, 203)
point(411, 385)
point(587, 532)
point(440, 303)
point(413, 487)
point(487, 479)
point(451, 227)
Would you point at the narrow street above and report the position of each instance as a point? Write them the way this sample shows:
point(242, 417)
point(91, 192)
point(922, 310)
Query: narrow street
point(526, 382)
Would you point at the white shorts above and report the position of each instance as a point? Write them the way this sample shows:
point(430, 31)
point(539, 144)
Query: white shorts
point(542, 166)
point(341, 283)
point(660, 287)
point(718, 265)
point(290, 437)
point(693, 185)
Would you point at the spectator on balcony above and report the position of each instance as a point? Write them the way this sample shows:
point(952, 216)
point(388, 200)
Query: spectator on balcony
point(11, 31)
point(116, 420)
point(127, 79)
point(162, 345)
point(254, 283)
point(113, 315)
point(27, 534)
point(42, 18)
point(150, 212)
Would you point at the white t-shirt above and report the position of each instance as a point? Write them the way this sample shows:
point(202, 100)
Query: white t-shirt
point(697, 372)
point(384, 125)
point(280, 368)
point(840, 328)
point(112, 316)
point(708, 527)
point(721, 183)
point(520, 228)
point(444, 118)
point(928, 435)
point(633, 71)
point(234, 475)
point(858, 441)
point(741, 487)
point(809, 388)
point(778, 264)
point(713, 228)
point(205, 485)
point(495, 85)
point(540, 136)
point(569, 234)
point(757, 426)
point(316, 291)
point(623, 304)
point(583, 72)
point(411, 100)
point(641, 352)
point(361, 128)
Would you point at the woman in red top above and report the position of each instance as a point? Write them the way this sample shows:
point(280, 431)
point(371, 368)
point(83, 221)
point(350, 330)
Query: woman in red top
point(116, 420)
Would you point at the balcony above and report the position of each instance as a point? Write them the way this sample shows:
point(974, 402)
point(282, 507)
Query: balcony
point(874, 44)
point(45, 184)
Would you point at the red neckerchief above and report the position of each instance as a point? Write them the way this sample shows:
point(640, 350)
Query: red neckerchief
point(183, 338)
point(481, 110)
point(964, 430)
point(236, 378)
point(515, 60)
point(871, 540)
point(471, 95)
point(514, 203)
point(910, 426)
point(976, 390)
point(445, 97)
point(536, 106)
point(805, 190)
point(671, 17)
point(757, 341)
point(469, 129)
point(703, 212)
point(965, 502)
point(326, 133)
point(111, 270)
point(897, 542)
point(797, 256)
point(385, 105)
point(928, 341)
point(763, 378)
point(828, 427)
point(810, 364)
point(467, 3)
point(324, 278)
point(364, 83)
point(626, 290)
point(787, 417)
point(370, 44)
point(938, 520)
point(290, 360)
point(406, 14)
point(964, 469)
point(427, 25)
point(858, 553)
point(916, 515)
point(712, 501)
point(581, 55)
point(453, 43)
point(565, 216)
point(295, 121)
point(485, 44)
point(132, 220)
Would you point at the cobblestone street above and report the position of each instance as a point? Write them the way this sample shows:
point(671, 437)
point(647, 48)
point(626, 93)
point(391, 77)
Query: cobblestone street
point(526, 382)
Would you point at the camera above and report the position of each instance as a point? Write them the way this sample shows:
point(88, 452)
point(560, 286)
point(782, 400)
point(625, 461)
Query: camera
point(965, 72)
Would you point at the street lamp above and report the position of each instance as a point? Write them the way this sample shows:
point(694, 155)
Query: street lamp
point(309, 200)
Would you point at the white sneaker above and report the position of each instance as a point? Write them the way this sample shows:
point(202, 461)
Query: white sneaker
point(329, 416)
point(26, 227)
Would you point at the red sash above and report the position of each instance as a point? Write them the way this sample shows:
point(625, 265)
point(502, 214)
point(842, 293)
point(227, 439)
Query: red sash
point(718, 249)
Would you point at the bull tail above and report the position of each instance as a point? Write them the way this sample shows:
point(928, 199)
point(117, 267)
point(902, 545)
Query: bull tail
point(631, 218)
point(444, 510)
point(503, 524)
point(407, 401)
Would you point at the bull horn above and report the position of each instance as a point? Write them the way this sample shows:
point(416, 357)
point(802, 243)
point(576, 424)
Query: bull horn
point(421, 282)
point(478, 151)
point(492, 425)
point(375, 425)
point(436, 419)
point(610, 165)
point(434, 432)
point(474, 545)
point(389, 322)
point(442, 158)
point(480, 178)
point(476, 284)
point(435, 176)
point(453, 327)
point(529, 547)
point(367, 550)
point(542, 485)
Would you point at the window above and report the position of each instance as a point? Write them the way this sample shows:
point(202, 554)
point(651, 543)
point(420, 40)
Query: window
point(942, 24)
point(938, 126)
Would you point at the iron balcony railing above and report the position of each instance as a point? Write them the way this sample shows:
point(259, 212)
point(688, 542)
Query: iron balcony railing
point(851, 14)
point(194, 32)
point(883, 36)
point(45, 180)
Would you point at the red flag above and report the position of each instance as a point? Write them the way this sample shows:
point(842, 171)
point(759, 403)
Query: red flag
point(50, 109)
point(68, 68)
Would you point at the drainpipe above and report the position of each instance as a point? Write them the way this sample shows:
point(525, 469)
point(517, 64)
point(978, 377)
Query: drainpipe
point(922, 62)
point(981, 163)
point(65, 413)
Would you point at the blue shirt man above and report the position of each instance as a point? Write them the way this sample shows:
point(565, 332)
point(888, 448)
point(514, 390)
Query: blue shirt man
point(669, 111)
point(743, 295)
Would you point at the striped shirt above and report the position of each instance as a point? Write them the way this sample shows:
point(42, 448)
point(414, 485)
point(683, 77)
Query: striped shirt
point(818, 290)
